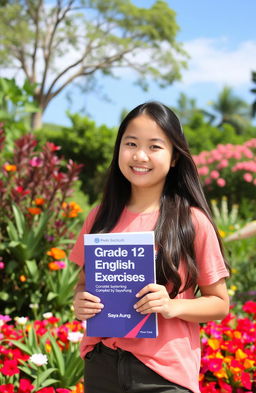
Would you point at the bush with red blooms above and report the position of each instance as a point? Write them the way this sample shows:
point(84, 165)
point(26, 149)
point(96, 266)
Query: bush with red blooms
point(39, 361)
point(228, 362)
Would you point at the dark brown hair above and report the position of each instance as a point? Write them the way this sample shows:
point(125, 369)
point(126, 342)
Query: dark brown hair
point(174, 230)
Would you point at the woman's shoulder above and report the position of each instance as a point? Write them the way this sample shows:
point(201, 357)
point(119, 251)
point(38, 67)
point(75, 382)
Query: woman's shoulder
point(199, 217)
point(91, 215)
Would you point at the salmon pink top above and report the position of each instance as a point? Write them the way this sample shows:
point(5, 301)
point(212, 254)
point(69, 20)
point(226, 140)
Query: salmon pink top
point(175, 353)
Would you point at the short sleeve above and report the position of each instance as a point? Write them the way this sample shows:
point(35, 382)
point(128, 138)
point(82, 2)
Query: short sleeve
point(77, 253)
point(211, 265)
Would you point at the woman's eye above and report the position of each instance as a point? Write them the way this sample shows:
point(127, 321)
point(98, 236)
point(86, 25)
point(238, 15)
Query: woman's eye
point(155, 147)
point(132, 144)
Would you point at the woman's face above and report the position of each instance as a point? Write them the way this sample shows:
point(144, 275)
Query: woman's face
point(145, 153)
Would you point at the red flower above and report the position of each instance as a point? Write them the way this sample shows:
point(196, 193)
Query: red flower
point(250, 307)
point(246, 380)
point(62, 390)
point(9, 388)
point(10, 368)
point(52, 147)
point(46, 390)
point(25, 386)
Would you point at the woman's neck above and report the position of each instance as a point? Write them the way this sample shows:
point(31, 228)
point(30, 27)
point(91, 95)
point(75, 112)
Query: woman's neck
point(144, 201)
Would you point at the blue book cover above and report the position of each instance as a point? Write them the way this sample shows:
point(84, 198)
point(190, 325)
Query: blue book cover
point(117, 266)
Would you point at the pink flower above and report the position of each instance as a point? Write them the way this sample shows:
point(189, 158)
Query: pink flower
point(223, 164)
point(214, 174)
point(208, 181)
point(2, 265)
point(221, 182)
point(61, 264)
point(36, 162)
point(248, 177)
point(203, 170)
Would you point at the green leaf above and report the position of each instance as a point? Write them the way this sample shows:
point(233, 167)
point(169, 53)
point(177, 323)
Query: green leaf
point(57, 355)
point(19, 220)
point(48, 382)
point(22, 346)
point(32, 267)
point(44, 375)
point(32, 339)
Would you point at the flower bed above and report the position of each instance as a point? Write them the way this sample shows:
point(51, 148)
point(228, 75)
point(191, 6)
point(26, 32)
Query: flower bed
point(43, 356)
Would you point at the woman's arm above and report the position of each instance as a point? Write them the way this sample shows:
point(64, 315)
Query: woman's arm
point(248, 230)
point(85, 304)
point(212, 304)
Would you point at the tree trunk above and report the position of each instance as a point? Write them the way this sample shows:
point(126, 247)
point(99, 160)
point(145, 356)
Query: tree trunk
point(36, 120)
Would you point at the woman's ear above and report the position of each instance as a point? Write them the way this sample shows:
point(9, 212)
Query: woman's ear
point(175, 158)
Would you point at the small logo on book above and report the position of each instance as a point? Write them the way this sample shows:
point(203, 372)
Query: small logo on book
point(96, 240)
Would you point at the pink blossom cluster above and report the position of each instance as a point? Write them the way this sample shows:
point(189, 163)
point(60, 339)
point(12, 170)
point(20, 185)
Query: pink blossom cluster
point(218, 165)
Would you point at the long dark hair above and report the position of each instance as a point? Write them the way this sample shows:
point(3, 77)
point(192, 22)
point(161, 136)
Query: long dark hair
point(174, 230)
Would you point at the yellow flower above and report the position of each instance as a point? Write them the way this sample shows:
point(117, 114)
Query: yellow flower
point(221, 373)
point(234, 270)
point(237, 334)
point(240, 355)
point(214, 343)
point(23, 278)
point(222, 233)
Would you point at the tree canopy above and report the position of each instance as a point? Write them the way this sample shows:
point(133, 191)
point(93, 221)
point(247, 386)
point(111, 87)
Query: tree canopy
point(54, 43)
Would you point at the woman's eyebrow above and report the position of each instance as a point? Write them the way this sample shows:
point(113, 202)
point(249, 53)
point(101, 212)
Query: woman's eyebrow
point(151, 139)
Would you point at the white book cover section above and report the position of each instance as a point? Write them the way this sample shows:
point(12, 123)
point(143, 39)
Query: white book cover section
point(117, 266)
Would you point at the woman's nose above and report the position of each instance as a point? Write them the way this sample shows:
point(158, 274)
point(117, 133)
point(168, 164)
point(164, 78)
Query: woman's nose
point(140, 155)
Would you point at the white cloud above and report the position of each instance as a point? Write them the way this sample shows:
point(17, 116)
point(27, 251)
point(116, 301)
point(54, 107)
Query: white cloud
point(211, 60)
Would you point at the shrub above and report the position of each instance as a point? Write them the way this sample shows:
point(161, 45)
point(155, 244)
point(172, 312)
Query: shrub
point(37, 221)
point(230, 170)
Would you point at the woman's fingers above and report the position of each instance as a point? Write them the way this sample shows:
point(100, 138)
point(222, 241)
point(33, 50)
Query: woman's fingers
point(86, 305)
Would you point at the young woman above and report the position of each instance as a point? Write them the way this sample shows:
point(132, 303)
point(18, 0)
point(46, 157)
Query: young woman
point(153, 184)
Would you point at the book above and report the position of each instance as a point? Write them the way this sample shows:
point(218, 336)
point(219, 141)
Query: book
point(117, 267)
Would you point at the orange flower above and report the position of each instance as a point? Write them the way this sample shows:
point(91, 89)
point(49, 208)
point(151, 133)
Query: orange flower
point(249, 363)
point(56, 253)
point(39, 201)
point(53, 266)
point(79, 388)
point(10, 168)
point(71, 209)
point(34, 210)
point(23, 278)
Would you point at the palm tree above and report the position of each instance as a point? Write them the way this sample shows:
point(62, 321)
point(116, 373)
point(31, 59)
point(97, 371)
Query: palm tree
point(254, 92)
point(232, 110)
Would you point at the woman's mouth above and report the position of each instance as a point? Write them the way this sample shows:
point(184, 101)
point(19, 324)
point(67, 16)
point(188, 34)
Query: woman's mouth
point(140, 169)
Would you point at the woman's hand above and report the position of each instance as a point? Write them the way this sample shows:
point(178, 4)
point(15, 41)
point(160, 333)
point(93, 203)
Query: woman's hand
point(155, 298)
point(86, 305)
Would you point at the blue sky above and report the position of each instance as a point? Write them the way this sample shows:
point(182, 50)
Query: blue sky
point(220, 37)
